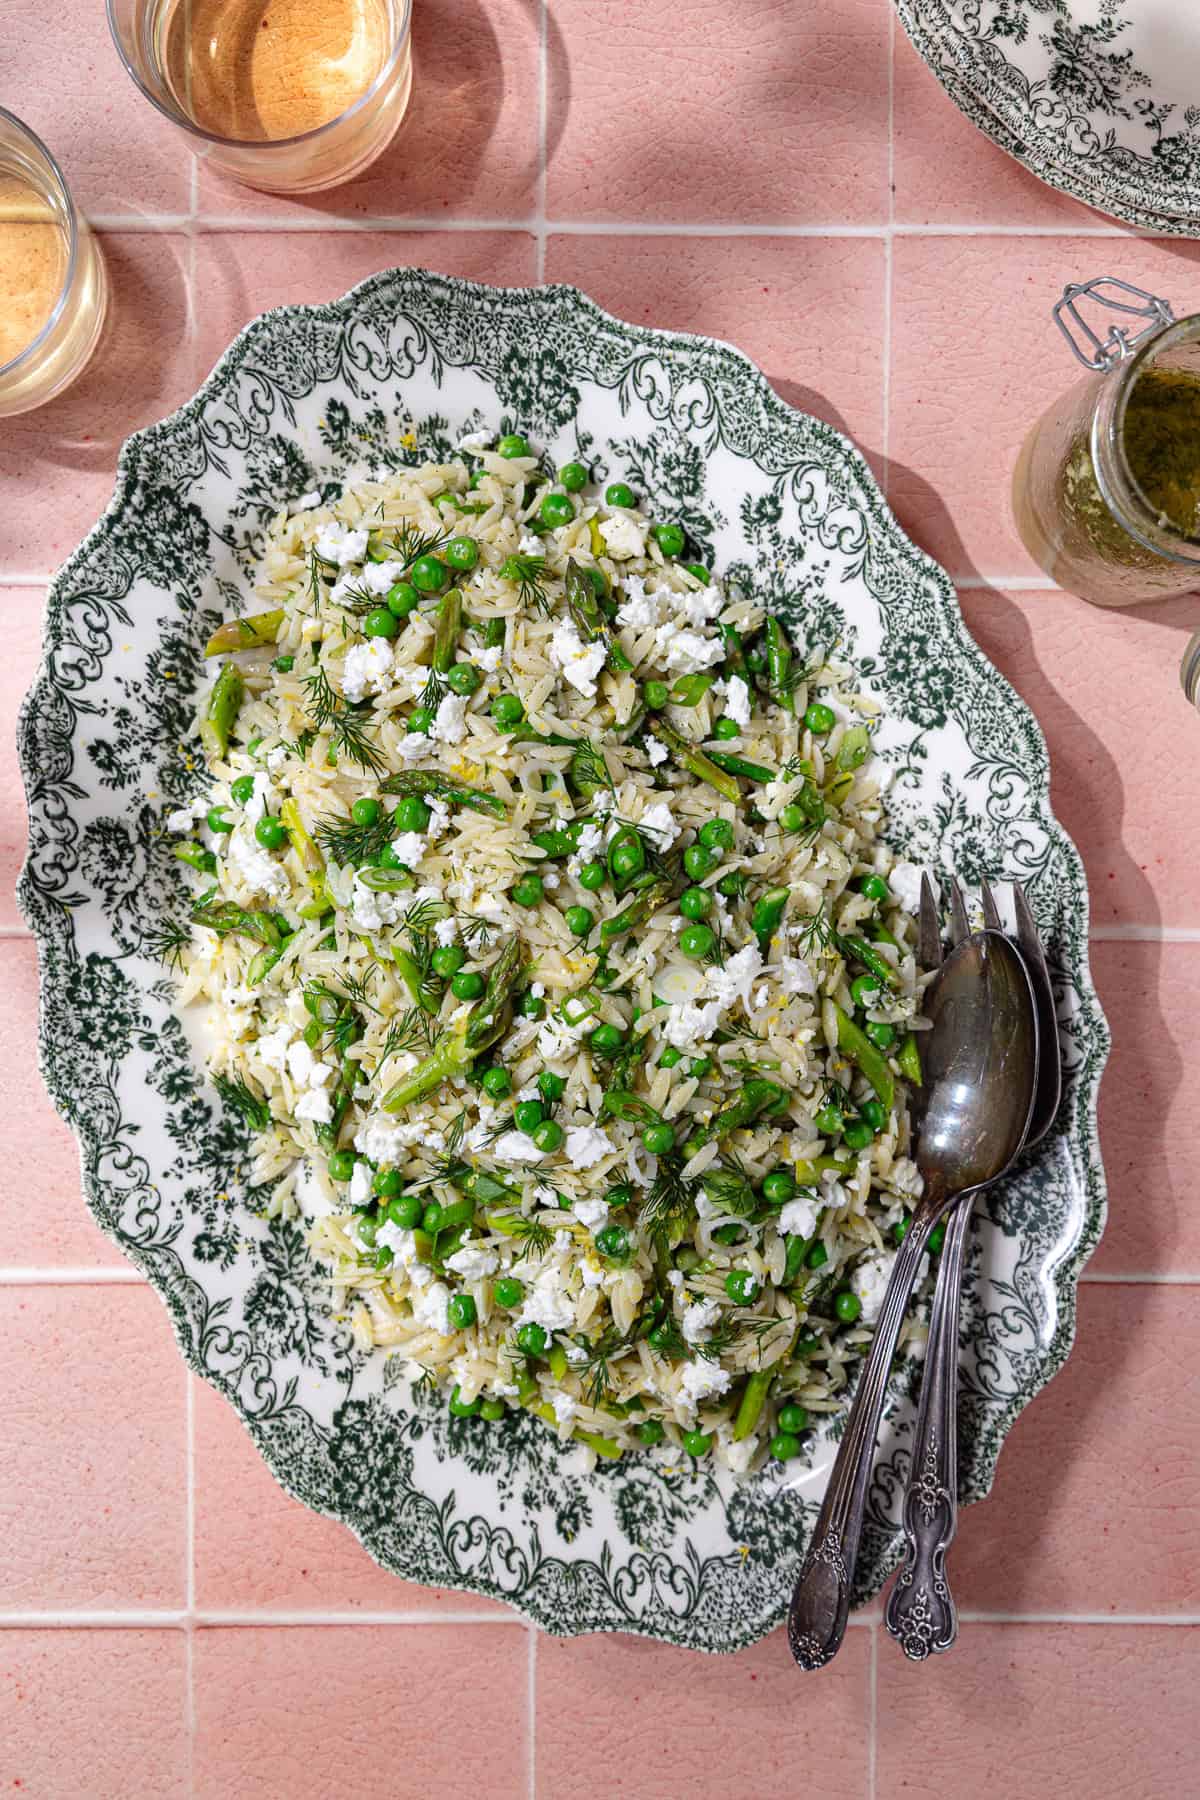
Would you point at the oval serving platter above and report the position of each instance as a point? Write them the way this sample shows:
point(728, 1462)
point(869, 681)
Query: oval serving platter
point(313, 396)
point(1098, 98)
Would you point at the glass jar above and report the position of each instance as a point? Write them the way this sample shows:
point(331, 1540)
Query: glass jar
point(1099, 485)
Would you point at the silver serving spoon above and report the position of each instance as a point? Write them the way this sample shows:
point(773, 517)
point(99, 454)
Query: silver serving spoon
point(980, 1074)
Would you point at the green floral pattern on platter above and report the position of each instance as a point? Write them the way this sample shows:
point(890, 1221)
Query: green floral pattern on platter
point(311, 397)
point(1096, 97)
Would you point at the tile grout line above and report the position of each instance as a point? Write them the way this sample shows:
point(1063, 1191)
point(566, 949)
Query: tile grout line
point(167, 1620)
point(531, 1734)
point(543, 135)
point(888, 252)
point(189, 1587)
point(312, 225)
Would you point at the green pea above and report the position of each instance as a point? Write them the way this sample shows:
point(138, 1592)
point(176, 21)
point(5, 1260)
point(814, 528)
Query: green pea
point(532, 1005)
point(556, 510)
point(864, 990)
point(695, 903)
point(528, 1115)
point(717, 834)
point(819, 718)
point(412, 814)
point(365, 811)
point(468, 984)
point(742, 1287)
point(387, 1183)
point(650, 1432)
point(937, 1238)
point(419, 720)
point(626, 858)
point(670, 1057)
point(669, 539)
point(403, 599)
point(784, 1446)
point(512, 444)
point(462, 1312)
point(463, 678)
point(283, 665)
point(531, 1339)
point(607, 1040)
point(829, 1121)
point(580, 920)
point(496, 1082)
point(791, 817)
point(448, 959)
point(528, 890)
point(696, 941)
point(380, 622)
point(817, 1256)
point(507, 710)
point(697, 1443)
point(341, 1165)
point(573, 476)
point(216, 820)
point(460, 1408)
point(431, 1218)
point(253, 745)
point(655, 694)
point(548, 1136)
point(659, 1140)
point(858, 1134)
point(847, 1306)
point(874, 887)
point(725, 729)
point(659, 1337)
point(551, 1087)
point(617, 493)
point(881, 1034)
point(428, 575)
point(699, 571)
point(756, 660)
point(779, 1186)
point(491, 1410)
point(271, 834)
point(732, 885)
point(872, 1111)
point(389, 858)
point(592, 876)
point(242, 789)
point(621, 1194)
point(405, 1211)
point(900, 1230)
point(508, 1291)
point(461, 552)
point(792, 1418)
point(699, 861)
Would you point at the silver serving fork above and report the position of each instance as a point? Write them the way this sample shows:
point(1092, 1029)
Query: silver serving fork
point(921, 1613)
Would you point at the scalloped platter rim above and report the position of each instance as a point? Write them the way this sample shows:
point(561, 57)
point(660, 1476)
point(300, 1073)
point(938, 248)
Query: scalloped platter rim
point(391, 373)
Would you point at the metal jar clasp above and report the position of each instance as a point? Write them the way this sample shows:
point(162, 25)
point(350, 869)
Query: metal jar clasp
point(1105, 290)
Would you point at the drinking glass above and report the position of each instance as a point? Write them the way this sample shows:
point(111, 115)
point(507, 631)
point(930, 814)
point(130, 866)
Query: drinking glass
point(291, 96)
point(52, 286)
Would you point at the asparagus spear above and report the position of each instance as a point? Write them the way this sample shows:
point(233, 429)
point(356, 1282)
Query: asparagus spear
point(636, 913)
point(448, 631)
point(697, 762)
point(224, 917)
point(457, 1050)
point(908, 1060)
point(583, 604)
point(752, 1099)
point(220, 715)
point(246, 633)
point(426, 782)
point(768, 914)
point(739, 765)
point(869, 957)
point(196, 857)
point(779, 665)
point(854, 749)
point(864, 1055)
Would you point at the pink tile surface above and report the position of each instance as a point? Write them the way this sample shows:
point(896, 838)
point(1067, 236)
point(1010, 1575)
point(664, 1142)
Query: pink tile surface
point(1025, 1711)
point(101, 1713)
point(976, 358)
point(42, 1157)
point(296, 1714)
point(711, 1725)
point(768, 296)
point(21, 612)
point(468, 146)
point(1122, 809)
point(92, 1480)
point(256, 1546)
point(777, 114)
point(1099, 1484)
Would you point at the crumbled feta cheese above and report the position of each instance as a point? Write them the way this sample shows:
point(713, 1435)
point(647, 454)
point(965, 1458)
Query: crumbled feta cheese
point(531, 545)
point(686, 651)
point(548, 1303)
point(686, 1026)
point(737, 700)
point(431, 1306)
point(735, 980)
point(306, 502)
point(253, 867)
point(365, 668)
point(641, 609)
point(187, 816)
point(587, 1145)
point(576, 1354)
point(739, 1453)
point(590, 839)
point(450, 725)
point(624, 536)
point(412, 747)
point(869, 1281)
point(260, 793)
point(593, 1275)
point(517, 1146)
point(489, 660)
point(409, 848)
point(905, 883)
point(272, 1046)
point(378, 578)
point(380, 1139)
point(360, 1185)
point(659, 821)
point(439, 818)
point(476, 442)
point(315, 1104)
point(762, 994)
point(445, 931)
point(699, 1319)
point(701, 1380)
point(657, 753)
point(277, 757)
point(795, 976)
point(473, 1262)
point(590, 1213)
point(338, 544)
point(565, 1409)
point(371, 910)
point(798, 1218)
point(580, 663)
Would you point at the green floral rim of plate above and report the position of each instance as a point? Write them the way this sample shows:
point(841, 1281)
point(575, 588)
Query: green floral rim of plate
point(393, 373)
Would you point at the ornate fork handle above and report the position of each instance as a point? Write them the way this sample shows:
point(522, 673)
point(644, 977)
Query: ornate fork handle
point(920, 1611)
point(821, 1601)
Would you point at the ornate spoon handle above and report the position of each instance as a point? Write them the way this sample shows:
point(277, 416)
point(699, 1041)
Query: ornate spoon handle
point(821, 1601)
point(920, 1610)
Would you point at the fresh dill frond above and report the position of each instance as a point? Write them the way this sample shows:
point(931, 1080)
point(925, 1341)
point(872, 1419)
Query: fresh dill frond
point(357, 601)
point(170, 942)
point(421, 918)
point(594, 1373)
point(813, 935)
point(531, 1235)
point(454, 1138)
point(321, 700)
point(474, 930)
point(315, 566)
point(241, 1098)
point(350, 739)
point(351, 845)
point(670, 1198)
point(414, 1030)
point(409, 542)
point(434, 691)
point(528, 572)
